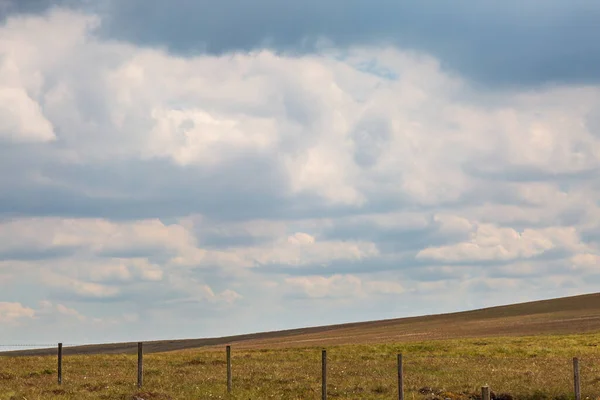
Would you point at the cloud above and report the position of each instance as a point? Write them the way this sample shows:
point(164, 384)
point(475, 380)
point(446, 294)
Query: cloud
point(341, 286)
point(537, 43)
point(141, 185)
point(48, 309)
point(303, 249)
point(586, 262)
point(490, 243)
point(12, 7)
point(17, 313)
point(335, 286)
point(10, 313)
point(190, 290)
point(96, 236)
point(125, 270)
point(255, 143)
point(21, 119)
point(84, 290)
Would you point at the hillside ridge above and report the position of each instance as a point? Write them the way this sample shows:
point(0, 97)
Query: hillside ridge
point(573, 314)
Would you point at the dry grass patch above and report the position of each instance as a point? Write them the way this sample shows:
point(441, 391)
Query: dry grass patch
point(530, 368)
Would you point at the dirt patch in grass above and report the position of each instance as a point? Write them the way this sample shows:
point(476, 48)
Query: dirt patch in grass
point(194, 362)
point(93, 388)
point(36, 374)
point(6, 376)
point(380, 389)
point(150, 396)
point(201, 361)
point(56, 392)
point(439, 394)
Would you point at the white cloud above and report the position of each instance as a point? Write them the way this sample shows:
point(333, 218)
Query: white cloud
point(195, 291)
point(586, 262)
point(303, 249)
point(195, 136)
point(301, 238)
point(123, 269)
point(288, 165)
point(450, 224)
point(93, 234)
point(489, 243)
point(88, 290)
point(334, 286)
point(229, 296)
point(384, 287)
point(21, 119)
point(50, 309)
point(297, 249)
point(11, 313)
point(315, 116)
point(17, 313)
point(342, 286)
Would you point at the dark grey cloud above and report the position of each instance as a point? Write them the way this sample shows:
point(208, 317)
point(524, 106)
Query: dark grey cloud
point(251, 187)
point(591, 235)
point(223, 241)
point(153, 253)
point(246, 186)
point(497, 43)
point(509, 42)
point(28, 254)
point(527, 173)
point(12, 7)
point(423, 269)
point(391, 240)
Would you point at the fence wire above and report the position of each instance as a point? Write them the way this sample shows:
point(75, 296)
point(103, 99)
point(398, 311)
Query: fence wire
point(42, 346)
point(351, 373)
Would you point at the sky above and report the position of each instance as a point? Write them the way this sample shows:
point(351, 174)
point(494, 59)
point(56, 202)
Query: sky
point(189, 168)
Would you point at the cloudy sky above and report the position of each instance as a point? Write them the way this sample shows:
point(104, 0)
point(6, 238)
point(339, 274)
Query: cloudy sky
point(199, 168)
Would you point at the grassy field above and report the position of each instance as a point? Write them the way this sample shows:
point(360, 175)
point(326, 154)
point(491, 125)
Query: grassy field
point(537, 367)
point(522, 351)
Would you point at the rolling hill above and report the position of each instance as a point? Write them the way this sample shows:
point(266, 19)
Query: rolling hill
point(576, 314)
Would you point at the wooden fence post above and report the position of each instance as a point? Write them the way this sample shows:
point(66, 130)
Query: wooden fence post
point(324, 374)
point(140, 369)
point(576, 381)
point(229, 377)
point(400, 378)
point(60, 363)
point(485, 393)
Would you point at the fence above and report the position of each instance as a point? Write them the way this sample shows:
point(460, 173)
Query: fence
point(485, 390)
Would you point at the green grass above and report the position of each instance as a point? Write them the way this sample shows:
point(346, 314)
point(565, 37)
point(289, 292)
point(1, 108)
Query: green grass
point(535, 367)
